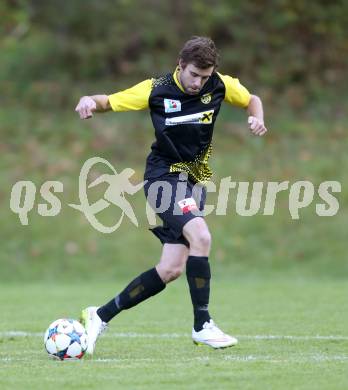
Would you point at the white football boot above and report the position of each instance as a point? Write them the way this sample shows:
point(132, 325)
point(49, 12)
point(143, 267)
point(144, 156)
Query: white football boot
point(94, 327)
point(213, 336)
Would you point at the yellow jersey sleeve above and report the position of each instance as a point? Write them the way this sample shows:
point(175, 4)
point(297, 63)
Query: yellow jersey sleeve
point(236, 94)
point(134, 98)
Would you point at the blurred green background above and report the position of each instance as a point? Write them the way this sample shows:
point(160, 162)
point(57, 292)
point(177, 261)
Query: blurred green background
point(293, 54)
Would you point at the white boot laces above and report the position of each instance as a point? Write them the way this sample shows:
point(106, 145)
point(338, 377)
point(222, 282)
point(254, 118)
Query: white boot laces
point(211, 325)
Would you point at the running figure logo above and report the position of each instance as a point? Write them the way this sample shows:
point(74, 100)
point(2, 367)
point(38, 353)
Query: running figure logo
point(119, 184)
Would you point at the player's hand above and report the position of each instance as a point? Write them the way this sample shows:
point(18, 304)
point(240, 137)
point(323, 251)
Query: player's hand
point(256, 126)
point(85, 107)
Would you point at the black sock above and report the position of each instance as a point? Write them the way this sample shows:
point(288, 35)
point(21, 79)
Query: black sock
point(198, 277)
point(143, 287)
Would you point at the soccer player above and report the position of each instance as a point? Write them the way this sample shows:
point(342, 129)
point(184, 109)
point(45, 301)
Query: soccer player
point(183, 107)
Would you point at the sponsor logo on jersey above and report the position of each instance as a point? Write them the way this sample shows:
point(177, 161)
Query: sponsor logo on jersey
point(187, 205)
point(171, 105)
point(204, 117)
point(206, 99)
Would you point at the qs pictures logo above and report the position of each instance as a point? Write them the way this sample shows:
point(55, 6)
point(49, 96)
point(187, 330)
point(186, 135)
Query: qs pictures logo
point(249, 199)
point(118, 184)
point(23, 196)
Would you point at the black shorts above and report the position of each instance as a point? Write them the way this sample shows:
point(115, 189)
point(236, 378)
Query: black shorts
point(176, 200)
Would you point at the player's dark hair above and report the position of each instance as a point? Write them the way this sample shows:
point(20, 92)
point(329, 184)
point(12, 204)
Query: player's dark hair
point(201, 52)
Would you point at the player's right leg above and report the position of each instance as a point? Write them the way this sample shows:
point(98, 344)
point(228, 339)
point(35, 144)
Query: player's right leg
point(147, 284)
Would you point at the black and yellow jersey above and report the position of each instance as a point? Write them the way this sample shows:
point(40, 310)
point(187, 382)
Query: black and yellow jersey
point(183, 123)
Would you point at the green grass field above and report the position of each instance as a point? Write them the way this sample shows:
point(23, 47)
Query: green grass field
point(292, 335)
point(280, 285)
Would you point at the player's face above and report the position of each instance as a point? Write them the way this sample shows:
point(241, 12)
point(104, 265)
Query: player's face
point(192, 78)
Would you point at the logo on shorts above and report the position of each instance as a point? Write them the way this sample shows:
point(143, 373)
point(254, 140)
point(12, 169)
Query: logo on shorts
point(206, 99)
point(171, 105)
point(187, 205)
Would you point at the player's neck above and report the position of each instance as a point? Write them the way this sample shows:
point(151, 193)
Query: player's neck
point(177, 78)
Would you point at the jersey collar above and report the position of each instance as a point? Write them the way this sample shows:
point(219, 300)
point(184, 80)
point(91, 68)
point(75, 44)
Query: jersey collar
point(177, 82)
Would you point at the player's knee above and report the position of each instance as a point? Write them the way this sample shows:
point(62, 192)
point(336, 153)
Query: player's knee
point(169, 273)
point(201, 240)
point(197, 234)
point(172, 273)
point(204, 239)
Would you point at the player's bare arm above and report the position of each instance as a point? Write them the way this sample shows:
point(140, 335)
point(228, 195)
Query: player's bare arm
point(90, 104)
point(255, 119)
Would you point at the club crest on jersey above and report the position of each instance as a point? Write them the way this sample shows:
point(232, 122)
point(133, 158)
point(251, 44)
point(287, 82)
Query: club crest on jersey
point(171, 105)
point(206, 99)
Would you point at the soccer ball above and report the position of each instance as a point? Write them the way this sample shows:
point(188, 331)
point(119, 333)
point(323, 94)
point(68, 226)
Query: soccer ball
point(66, 339)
